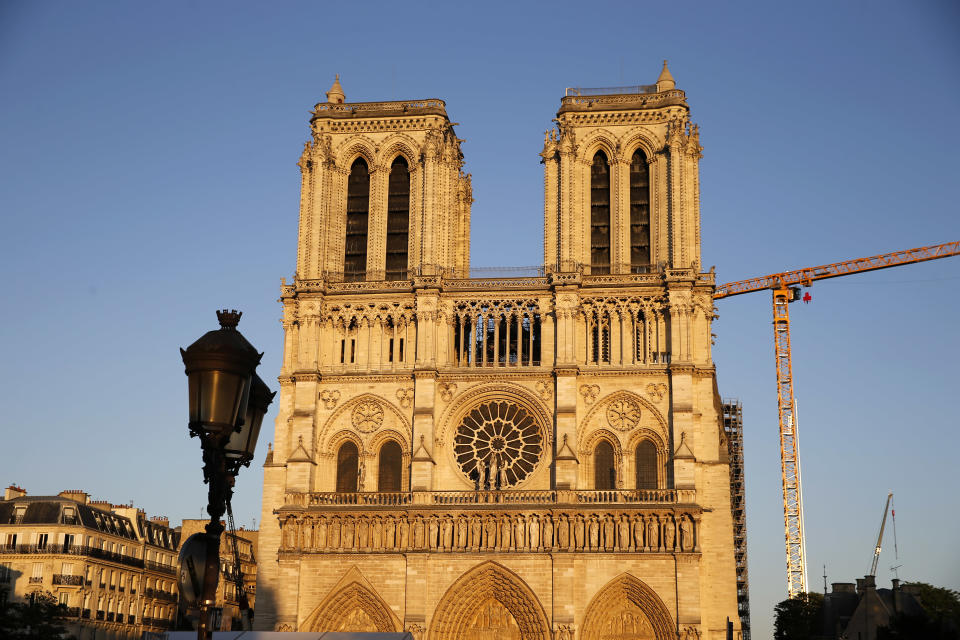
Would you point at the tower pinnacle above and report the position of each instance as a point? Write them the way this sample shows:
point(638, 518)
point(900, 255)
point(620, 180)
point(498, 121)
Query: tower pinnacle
point(665, 82)
point(336, 95)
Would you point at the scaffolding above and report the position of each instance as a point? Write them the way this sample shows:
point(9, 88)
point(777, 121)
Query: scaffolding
point(733, 427)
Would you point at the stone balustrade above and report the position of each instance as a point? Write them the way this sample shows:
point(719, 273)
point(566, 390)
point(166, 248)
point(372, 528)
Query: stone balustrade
point(518, 497)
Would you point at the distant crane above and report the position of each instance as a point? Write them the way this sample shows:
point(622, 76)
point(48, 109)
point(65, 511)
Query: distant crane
point(876, 551)
point(785, 289)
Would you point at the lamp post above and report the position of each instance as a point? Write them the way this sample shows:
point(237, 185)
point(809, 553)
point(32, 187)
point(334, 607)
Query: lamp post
point(227, 404)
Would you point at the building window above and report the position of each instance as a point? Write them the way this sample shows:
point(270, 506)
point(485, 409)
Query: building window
point(600, 214)
point(398, 219)
point(639, 213)
point(604, 470)
point(67, 542)
point(348, 459)
point(358, 210)
point(42, 539)
point(37, 573)
point(646, 459)
point(11, 541)
point(390, 466)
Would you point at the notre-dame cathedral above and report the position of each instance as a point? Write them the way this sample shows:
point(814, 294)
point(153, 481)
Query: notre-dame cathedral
point(524, 457)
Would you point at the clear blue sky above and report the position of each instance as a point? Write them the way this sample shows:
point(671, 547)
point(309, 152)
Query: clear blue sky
point(148, 158)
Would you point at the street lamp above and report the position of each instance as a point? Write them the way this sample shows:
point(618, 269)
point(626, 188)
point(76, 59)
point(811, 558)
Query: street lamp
point(227, 404)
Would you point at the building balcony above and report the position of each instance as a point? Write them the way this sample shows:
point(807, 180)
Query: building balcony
point(163, 595)
point(36, 579)
point(110, 616)
point(100, 615)
point(85, 614)
point(131, 619)
point(71, 612)
point(67, 580)
point(73, 550)
point(161, 568)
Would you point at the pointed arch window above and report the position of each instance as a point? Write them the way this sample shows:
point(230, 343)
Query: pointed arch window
point(639, 213)
point(604, 470)
point(348, 459)
point(358, 210)
point(646, 459)
point(600, 214)
point(390, 466)
point(398, 219)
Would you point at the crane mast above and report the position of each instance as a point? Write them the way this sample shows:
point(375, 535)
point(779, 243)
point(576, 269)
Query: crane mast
point(876, 550)
point(785, 287)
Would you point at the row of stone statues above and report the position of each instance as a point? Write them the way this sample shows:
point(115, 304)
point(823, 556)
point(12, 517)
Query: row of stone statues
point(651, 532)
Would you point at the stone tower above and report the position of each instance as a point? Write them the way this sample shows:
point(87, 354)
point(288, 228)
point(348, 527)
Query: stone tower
point(529, 457)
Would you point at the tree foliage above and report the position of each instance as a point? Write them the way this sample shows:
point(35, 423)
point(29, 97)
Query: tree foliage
point(40, 618)
point(940, 622)
point(798, 618)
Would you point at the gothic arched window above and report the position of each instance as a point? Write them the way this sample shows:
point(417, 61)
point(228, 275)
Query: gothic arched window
point(604, 469)
point(600, 214)
point(348, 459)
point(358, 209)
point(390, 466)
point(639, 213)
point(398, 219)
point(646, 460)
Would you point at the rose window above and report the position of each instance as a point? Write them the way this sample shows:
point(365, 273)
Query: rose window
point(501, 435)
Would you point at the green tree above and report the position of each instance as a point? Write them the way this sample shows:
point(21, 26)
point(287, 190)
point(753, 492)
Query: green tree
point(39, 618)
point(798, 618)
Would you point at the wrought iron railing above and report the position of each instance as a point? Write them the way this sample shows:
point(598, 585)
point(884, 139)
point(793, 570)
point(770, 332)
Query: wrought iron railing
point(36, 579)
point(67, 580)
point(162, 568)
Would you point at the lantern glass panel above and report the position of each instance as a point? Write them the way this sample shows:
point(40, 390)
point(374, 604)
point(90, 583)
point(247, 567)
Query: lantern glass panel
point(217, 398)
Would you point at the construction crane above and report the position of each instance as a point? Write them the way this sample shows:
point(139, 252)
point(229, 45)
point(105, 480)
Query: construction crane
point(785, 289)
point(876, 550)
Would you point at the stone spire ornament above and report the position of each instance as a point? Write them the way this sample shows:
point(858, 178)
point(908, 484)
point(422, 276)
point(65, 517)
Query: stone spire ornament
point(336, 95)
point(665, 82)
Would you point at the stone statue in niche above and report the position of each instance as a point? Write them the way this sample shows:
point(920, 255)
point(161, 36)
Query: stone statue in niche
point(418, 533)
point(362, 533)
point(349, 531)
point(461, 532)
point(320, 538)
point(335, 533)
point(433, 530)
point(446, 531)
point(534, 533)
point(505, 527)
point(623, 534)
point(669, 533)
point(490, 533)
point(594, 532)
point(492, 484)
point(289, 535)
point(547, 531)
point(481, 475)
point(389, 533)
point(637, 533)
point(578, 533)
point(475, 528)
point(361, 475)
point(563, 532)
point(403, 533)
point(653, 539)
point(377, 533)
point(608, 532)
point(686, 534)
point(520, 528)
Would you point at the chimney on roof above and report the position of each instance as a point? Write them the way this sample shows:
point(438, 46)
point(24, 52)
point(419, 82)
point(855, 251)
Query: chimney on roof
point(163, 521)
point(13, 491)
point(74, 494)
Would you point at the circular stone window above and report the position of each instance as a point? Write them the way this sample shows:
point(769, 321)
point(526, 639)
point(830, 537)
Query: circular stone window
point(501, 433)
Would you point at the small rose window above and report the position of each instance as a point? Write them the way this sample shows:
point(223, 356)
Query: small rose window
point(501, 433)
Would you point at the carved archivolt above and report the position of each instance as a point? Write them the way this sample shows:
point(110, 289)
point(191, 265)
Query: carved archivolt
point(492, 599)
point(351, 608)
point(627, 608)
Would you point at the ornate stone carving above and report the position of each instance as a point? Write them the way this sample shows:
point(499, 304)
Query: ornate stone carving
point(564, 632)
point(544, 390)
point(623, 414)
point(417, 631)
point(447, 389)
point(656, 390)
point(330, 398)
point(405, 396)
point(367, 416)
point(589, 392)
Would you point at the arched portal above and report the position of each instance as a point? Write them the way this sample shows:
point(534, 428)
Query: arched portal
point(352, 607)
point(627, 609)
point(489, 601)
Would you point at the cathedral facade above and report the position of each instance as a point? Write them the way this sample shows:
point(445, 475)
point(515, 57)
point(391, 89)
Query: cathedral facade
point(529, 457)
